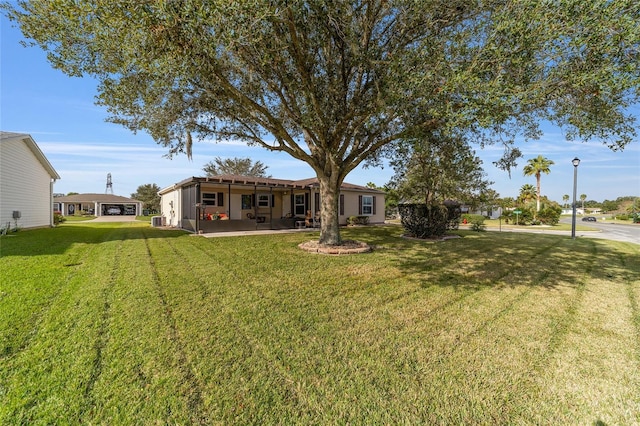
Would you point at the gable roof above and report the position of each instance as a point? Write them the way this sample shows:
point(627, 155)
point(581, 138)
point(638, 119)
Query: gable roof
point(262, 181)
point(95, 198)
point(6, 137)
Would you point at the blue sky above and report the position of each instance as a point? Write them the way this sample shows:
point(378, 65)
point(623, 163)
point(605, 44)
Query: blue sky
point(59, 113)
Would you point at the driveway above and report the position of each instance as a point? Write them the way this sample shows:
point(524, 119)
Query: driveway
point(115, 218)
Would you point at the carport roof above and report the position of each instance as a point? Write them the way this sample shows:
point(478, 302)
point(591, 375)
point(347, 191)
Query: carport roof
point(95, 198)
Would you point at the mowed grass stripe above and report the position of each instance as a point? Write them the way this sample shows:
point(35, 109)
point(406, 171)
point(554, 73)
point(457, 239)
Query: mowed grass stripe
point(238, 355)
point(142, 378)
point(32, 277)
point(466, 330)
point(60, 357)
point(593, 376)
point(350, 349)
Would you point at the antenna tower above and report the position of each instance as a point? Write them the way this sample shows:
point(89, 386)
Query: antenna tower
point(109, 189)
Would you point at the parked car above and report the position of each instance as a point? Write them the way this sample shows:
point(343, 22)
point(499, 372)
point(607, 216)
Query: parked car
point(588, 219)
point(113, 210)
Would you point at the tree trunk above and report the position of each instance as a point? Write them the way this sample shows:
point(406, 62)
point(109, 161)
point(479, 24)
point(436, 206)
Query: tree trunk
point(329, 219)
point(537, 192)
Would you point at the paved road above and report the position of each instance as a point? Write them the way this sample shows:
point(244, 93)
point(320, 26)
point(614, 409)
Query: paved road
point(609, 231)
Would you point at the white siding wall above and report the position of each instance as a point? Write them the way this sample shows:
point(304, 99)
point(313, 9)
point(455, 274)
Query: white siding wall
point(171, 212)
point(25, 186)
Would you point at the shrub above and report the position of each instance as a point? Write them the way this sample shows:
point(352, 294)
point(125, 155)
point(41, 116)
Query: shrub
point(58, 218)
point(524, 218)
point(429, 220)
point(549, 214)
point(477, 223)
point(622, 217)
point(358, 220)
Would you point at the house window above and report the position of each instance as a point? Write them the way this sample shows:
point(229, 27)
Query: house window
point(298, 203)
point(209, 198)
point(246, 202)
point(367, 205)
point(213, 199)
point(263, 200)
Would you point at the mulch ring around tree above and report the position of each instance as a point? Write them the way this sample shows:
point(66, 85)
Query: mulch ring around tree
point(346, 247)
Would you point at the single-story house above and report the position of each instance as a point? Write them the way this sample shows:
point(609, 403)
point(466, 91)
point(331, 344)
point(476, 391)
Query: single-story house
point(579, 211)
point(26, 183)
point(243, 203)
point(97, 204)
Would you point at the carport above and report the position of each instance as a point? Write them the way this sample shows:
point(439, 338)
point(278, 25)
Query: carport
point(98, 205)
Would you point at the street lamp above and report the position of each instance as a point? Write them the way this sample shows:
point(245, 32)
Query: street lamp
point(575, 162)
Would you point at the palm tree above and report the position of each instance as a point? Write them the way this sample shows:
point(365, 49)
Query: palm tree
point(582, 198)
point(565, 199)
point(536, 166)
point(527, 192)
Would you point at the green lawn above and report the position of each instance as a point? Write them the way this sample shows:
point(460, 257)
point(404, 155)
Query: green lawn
point(121, 323)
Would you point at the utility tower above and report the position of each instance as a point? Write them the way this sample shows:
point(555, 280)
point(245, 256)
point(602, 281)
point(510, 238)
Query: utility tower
point(109, 189)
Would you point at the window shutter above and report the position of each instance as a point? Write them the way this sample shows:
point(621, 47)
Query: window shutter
point(341, 204)
point(273, 200)
point(253, 200)
point(316, 201)
point(220, 199)
point(306, 202)
point(359, 204)
point(374, 204)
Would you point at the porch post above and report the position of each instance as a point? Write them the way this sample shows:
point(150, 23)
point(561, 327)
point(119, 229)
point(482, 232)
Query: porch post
point(229, 203)
point(198, 201)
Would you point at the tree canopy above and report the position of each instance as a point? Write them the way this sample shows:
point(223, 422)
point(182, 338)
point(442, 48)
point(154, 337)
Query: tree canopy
point(435, 168)
point(330, 83)
point(148, 194)
point(235, 166)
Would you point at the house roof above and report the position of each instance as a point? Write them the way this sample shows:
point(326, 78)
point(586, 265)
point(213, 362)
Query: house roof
point(95, 198)
point(28, 140)
point(261, 181)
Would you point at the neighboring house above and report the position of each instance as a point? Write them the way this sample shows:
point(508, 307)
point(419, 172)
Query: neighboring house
point(97, 204)
point(570, 211)
point(251, 203)
point(26, 183)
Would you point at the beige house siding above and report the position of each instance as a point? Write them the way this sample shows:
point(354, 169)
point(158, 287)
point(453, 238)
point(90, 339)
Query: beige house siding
point(352, 206)
point(26, 184)
point(239, 198)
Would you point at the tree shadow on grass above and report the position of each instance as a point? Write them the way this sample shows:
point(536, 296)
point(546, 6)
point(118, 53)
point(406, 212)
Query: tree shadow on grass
point(49, 241)
point(491, 259)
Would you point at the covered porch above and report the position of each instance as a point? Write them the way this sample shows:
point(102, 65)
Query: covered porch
point(233, 204)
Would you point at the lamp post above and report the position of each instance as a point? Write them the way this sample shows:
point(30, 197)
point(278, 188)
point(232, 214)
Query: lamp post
point(575, 162)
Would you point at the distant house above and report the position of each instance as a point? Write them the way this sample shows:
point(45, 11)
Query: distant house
point(26, 183)
point(249, 203)
point(97, 204)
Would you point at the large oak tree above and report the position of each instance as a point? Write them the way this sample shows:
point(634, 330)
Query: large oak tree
point(330, 83)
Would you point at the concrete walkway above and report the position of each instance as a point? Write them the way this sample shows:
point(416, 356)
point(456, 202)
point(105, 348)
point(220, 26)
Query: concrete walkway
point(262, 232)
